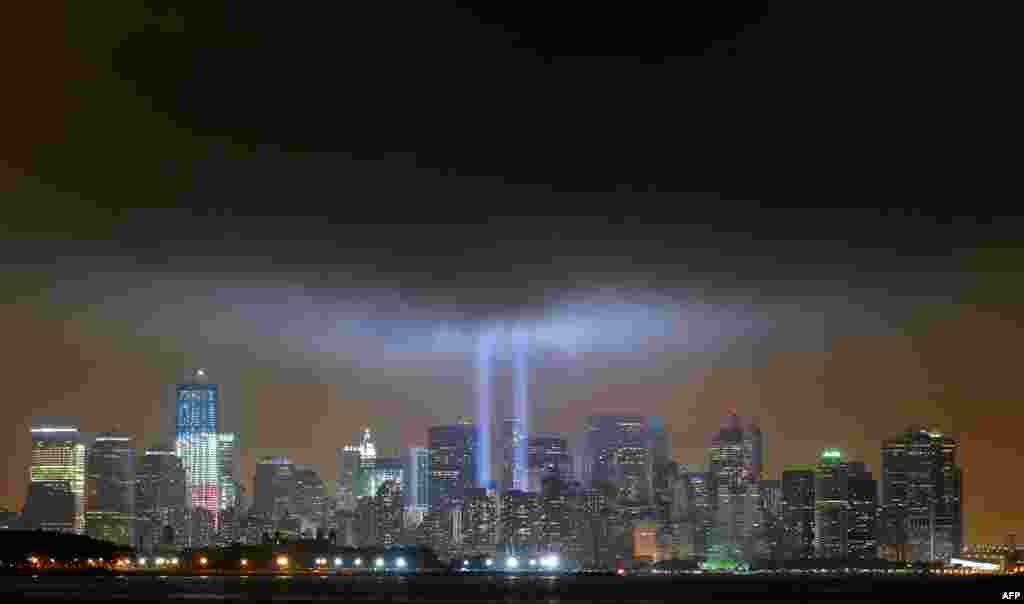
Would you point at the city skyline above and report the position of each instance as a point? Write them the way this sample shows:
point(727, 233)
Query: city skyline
point(778, 219)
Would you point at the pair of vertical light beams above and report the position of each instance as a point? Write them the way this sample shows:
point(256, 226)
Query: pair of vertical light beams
point(487, 345)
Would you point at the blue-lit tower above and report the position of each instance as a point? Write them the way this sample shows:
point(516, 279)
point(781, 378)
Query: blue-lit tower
point(196, 441)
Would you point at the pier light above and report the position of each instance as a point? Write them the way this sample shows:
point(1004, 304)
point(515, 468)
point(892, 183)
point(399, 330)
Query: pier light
point(244, 562)
point(282, 561)
point(512, 563)
point(142, 561)
point(400, 562)
point(533, 562)
point(379, 562)
point(359, 561)
point(203, 561)
point(337, 561)
point(489, 562)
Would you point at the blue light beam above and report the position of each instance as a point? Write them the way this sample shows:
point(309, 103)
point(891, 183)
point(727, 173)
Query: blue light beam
point(522, 412)
point(484, 373)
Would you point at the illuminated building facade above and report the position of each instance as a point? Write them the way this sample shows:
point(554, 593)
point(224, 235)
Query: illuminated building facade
point(452, 459)
point(617, 451)
point(417, 480)
point(367, 460)
point(513, 469)
point(734, 464)
point(349, 477)
point(110, 484)
point(387, 469)
point(161, 500)
point(921, 494)
point(196, 443)
point(58, 460)
point(645, 541)
point(230, 475)
point(862, 527)
point(831, 505)
point(547, 455)
point(797, 509)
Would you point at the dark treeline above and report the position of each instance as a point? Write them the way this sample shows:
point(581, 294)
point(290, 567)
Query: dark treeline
point(17, 546)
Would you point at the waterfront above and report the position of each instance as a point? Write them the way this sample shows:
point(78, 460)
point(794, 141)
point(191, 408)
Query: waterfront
point(552, 589)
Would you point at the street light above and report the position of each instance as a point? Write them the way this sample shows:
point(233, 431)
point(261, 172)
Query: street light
point(512, 563)
point(379, 562)
point(245, 563)
point(202, 561)
point(359, 561)
point(489, 562)
point(400, 562)
point(337, 561)
point(282, 561)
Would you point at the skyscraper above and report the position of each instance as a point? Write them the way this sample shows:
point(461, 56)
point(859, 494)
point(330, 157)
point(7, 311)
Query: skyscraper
point(513, 441)
point(387, 469)
point(417, 491)
point(921, 493)
point(196, 430)
point(349, 476)
point(160, 500)
point(230, 475)
point(272, 486)
point(57, 477)
point(616, 451)
point(367, 459)
point(547, 455)
point(798, 513)
point(831, 505)
point(733, 463)
point(452, 459)
point(110, 484)
point(862, 537)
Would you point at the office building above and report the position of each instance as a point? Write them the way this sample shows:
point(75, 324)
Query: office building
point(196, 443)
point(548, 456)
point(617, 452)
point(797, 509)
point(452, 462)
point(862, 526)
point(513, 445)
point(417, 480)
point(831, 505)
point(921, 494)
point(57, 479)
point(387, 469)
point(734, 460)
point(349, 477)
point(161, 501)
point(110, 487)
point(230, 473)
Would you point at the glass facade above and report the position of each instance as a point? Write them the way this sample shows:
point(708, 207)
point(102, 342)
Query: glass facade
point(417, 492)
point(111, 489)
point(228, 456)
point(59, 458)
point(452, 462)
point(196, 442)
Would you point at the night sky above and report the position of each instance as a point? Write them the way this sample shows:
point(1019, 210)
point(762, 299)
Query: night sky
point(804, 218)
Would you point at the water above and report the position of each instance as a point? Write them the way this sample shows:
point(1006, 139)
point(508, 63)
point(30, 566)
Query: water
point(421, 588)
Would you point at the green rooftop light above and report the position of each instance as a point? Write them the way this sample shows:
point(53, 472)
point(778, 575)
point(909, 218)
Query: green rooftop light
point(831, 454)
